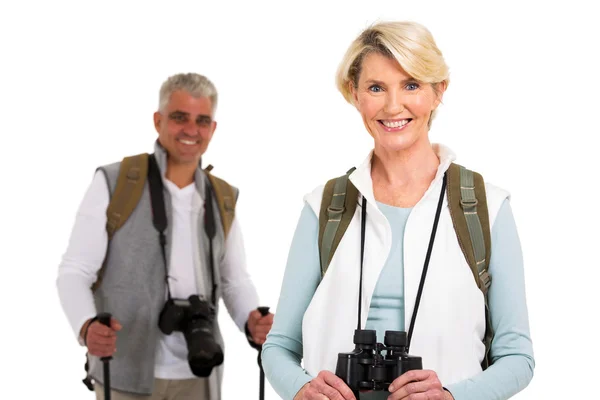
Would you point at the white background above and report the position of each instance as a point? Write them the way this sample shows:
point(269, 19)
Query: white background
point(79, 83)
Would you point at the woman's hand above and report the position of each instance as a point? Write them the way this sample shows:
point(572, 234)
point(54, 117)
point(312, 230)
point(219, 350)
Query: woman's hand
point(325, 386)
point(418, 385)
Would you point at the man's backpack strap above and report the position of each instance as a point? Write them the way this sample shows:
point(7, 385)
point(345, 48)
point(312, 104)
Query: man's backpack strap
point(468, 207)
point(226, 199)
point(129, 188)
point(337, 209)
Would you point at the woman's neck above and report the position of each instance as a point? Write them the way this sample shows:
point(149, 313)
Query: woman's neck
point(401, 178)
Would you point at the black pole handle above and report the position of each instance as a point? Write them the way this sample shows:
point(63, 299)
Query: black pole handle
point(104, 318)
point(264, 311)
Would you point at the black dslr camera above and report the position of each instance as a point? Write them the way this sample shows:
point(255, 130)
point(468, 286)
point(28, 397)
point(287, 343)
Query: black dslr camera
point(195, 318)
point(366, 369)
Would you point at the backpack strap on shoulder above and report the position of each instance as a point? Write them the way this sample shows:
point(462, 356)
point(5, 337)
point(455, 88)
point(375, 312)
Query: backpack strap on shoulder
point(131, 181)
point(130, 185)
point(468, 207)
point(226, 199)
point(337, 209)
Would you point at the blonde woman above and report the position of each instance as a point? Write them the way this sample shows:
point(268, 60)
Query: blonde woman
point(395, 76)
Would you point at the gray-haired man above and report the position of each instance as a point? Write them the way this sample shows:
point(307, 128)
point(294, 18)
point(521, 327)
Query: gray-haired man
point(152, 362)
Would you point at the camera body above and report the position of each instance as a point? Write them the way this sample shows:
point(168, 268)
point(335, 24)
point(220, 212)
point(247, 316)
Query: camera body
point(195, 318)
point(365, 368)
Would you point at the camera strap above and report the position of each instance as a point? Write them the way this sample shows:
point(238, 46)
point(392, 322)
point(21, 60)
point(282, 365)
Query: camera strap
point(425, 266)
point(211, 229)
point(159, 219)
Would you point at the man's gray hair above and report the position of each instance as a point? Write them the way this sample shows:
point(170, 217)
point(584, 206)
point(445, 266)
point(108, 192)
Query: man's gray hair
point(195, 84)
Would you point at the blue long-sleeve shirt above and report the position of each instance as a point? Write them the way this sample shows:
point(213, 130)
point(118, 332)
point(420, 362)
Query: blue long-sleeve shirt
point(511, 350)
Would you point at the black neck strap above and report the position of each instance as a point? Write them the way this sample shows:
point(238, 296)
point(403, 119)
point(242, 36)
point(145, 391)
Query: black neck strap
point(159, 219)
point(425, 266)
point(211, 229)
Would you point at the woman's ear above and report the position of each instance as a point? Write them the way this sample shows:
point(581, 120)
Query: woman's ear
point(439, 89)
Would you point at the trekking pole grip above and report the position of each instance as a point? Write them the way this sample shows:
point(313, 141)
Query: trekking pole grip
point(263, 310)
point(104, 318)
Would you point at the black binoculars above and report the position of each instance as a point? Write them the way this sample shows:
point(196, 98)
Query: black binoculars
point(365, 368)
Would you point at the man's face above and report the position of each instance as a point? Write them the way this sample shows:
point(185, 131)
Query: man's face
point(185, 127)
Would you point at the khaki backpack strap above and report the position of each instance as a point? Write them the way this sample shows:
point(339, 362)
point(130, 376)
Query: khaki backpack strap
point(337, 209)
point(133, 172)
point(468, 207)
point(226, 199)
point(130, 186)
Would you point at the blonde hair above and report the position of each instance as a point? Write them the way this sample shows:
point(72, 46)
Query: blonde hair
point(195, 84)
point(409, 43)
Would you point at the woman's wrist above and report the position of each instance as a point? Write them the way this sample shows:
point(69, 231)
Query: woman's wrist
point(298, 395)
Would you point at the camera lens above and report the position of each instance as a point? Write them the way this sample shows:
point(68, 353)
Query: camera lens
point(204, 353)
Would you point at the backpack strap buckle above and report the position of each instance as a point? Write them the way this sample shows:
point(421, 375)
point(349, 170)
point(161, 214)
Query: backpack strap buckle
point(335, 213)
point(468, 203)
point(486, 280)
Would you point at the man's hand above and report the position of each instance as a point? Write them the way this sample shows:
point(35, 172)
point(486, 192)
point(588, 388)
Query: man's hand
point(259, 326)
point(100, 339)
point(325, 386)
point(418, 384)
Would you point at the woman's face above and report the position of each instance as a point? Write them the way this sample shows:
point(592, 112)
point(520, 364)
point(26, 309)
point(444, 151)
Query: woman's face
point(395, 108)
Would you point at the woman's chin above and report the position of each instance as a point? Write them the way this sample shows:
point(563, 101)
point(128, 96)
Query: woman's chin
point(398, 145)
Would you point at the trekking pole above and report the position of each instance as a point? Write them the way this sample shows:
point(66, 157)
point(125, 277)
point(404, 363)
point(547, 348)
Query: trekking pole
point(104, 318)
point(264, 311)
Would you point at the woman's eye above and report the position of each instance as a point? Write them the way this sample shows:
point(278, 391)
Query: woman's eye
point(412, 86)
point(375, 88)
